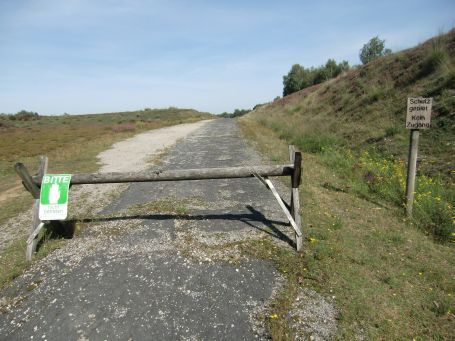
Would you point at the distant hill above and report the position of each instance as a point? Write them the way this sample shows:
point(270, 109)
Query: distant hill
point(365, 108)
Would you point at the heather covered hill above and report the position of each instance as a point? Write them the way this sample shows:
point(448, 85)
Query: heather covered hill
point(366, 106)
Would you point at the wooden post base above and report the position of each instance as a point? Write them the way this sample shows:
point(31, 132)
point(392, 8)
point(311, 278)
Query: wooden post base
point(296, 159)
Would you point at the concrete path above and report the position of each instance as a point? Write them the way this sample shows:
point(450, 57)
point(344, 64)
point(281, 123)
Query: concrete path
point(161, 262)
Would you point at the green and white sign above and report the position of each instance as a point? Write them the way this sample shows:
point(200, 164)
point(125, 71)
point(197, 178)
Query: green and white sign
point(54, 196)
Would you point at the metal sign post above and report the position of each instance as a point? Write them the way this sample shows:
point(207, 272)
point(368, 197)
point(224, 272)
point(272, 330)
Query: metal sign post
point(418, 117)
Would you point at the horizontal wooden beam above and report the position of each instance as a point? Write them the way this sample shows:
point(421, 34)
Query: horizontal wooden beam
point(178, 175)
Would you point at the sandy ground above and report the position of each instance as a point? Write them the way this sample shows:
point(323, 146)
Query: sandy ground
point(133, 154)
point(10, 193)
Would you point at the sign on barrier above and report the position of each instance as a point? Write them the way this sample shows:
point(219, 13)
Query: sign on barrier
point(54, 196)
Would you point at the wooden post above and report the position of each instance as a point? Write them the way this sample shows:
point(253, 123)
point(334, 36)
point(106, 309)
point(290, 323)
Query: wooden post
point(291, 159)
point(296, 158)
point(412, 167)
point(33, 240)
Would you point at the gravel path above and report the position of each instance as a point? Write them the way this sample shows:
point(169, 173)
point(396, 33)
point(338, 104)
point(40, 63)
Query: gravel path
point(159, 261)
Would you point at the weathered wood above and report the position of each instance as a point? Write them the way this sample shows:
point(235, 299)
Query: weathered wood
point(297, 170)
point(27, 180)
point(34, 234)
point(178, 175)
point(291, 153)
point(43, 165)
point(269, 185)
point(291, 160)
point(283, 207)
point(296, 159)
point(36, 222)
point(261, 179)
point(412, 167)
point(297, 218)
point(32, 242)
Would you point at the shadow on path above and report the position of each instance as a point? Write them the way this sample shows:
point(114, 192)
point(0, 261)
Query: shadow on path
point(248, 218)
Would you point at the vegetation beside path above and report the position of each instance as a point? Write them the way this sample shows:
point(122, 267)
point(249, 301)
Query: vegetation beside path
point(392, 278)
point(389, 280)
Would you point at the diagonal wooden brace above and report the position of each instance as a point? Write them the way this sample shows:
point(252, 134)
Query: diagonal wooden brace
point(270, 186)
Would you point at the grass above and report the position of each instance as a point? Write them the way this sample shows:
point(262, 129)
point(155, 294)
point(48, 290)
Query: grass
point(12, 259)
point(372, 176)
point(390, 280)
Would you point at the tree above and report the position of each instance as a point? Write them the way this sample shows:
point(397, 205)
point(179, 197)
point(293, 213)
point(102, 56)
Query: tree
point(375, 48)
point(299, 78)
point(331, 69)
point(293, 80)
point(343, 66)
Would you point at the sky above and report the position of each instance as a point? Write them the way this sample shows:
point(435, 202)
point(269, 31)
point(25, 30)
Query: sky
point(93, 56)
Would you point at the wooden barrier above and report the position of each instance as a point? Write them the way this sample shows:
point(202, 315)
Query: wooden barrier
point(293, 169)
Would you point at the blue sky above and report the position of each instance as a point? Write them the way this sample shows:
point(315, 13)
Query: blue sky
point(91, 56)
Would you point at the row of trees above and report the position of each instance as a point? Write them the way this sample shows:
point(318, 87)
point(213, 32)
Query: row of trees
point(236, 113)
point(299, 77)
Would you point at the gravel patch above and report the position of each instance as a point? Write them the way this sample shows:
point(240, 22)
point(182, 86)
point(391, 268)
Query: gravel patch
point(313, 316)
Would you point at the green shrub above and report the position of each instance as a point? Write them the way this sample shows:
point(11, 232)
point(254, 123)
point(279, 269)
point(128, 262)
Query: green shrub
point(25, 115)
point(371, 175)
point(433, 208)
point(392, 131)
